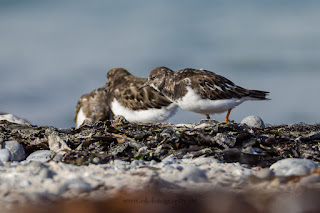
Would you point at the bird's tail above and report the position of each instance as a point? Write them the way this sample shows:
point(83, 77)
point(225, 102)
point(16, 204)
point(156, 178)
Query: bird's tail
point(258, 94)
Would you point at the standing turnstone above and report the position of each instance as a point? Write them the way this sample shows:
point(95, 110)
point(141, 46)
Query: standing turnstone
point(93, 107)
point(201, 91)
point(144, 105)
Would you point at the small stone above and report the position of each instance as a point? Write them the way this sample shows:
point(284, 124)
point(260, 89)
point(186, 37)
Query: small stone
point(253, 121)
point(143, 150)
point(16, 150)
point(192, 173)
point(293, 167)
point(57, 144)
point(41, 156)
point(5, 155)
point(137, 163)
point(24, 183)
point(153, 163)
point(14, 119)
point(76, 184)
point(168, 168)
point(46, 173)
point(265, 174)
point(225, 140)
point(168, 160)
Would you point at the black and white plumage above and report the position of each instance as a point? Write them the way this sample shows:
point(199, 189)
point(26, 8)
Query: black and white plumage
point(125, 98)
point(93, 107)
point(201, 91)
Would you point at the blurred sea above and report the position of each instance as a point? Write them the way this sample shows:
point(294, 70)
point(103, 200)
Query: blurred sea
point(52, 52)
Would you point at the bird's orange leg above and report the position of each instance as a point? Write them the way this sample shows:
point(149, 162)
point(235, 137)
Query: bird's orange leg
point(227, 117)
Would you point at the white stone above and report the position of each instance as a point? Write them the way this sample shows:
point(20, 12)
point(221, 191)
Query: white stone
point(192, 173)
point(5, 155)
point(16, 150)
point(253, 121)
point(293, 167)
point(40, 156)
point(14, 119)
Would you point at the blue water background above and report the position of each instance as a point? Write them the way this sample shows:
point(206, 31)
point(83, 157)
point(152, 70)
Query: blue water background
point(52, 52)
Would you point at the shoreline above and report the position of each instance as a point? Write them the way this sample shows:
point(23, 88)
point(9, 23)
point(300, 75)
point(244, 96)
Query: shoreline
point(105, 159)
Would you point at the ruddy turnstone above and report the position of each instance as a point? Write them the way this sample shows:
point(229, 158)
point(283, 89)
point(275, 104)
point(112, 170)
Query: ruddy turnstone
point(93, 107)
point(144, 105)
point(201, 91)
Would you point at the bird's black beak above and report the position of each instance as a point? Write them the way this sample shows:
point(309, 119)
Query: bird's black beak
point(106, 85)
point(145, 85)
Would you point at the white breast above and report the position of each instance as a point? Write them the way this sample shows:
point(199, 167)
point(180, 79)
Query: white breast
point(81, 117)
point(150, 115)
point(193, 102)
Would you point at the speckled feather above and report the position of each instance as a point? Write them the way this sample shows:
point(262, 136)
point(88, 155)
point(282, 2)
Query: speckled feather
point(206, 83)
point(94, 106)
point(125, 88)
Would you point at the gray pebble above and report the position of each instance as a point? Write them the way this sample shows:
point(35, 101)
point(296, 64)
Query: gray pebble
point(192, 173)
point(16, 150)
point(293, 167)
point(225, 140)
point(40, 156)
point(75, 184)
point(265, 174)
point(5, 155)
point(253, 121)
point(168, 160)
point(153, 163)
point(137, 163)
point(24, 183)
point(169, 168)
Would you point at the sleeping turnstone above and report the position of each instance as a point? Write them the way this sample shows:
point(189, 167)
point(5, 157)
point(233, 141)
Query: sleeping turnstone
point(93, 107)
point(145, 105)
point(201, 91)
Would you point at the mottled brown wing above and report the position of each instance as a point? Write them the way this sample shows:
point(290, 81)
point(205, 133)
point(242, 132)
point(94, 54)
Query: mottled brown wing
point(79, 105)
point(215, 87)
point(94, 105)
point(140, 99)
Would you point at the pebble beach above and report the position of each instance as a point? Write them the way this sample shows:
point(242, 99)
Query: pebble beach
point(33, 177)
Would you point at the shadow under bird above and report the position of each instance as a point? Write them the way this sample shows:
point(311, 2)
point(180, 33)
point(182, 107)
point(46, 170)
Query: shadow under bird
point(144, 105)
point(201, 91)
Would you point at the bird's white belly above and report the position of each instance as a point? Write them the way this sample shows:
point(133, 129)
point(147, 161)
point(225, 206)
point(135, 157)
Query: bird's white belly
point(150, 115)
point(80, 118)
point(193, 102)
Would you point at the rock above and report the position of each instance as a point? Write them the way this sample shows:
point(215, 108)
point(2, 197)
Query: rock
point(192, 173)
point(41, 156)
point(14, 119)
point(76, 184)
point(5, 155)
point(168, 160)
point(225, 140)
point(265, 174)
point(293, 167)
point(253, 121)
point(16, 150)
point(137, 163)
point(57, 144)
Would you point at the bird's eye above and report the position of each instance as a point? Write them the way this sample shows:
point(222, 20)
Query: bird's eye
point(153, 77)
